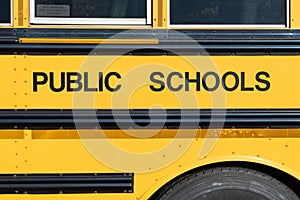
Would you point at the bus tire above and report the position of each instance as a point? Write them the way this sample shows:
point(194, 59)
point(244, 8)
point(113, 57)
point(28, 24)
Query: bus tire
point(228, 183)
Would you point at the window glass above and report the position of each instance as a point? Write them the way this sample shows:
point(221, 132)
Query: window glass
point(90, 8)
point(228, 12)
point(5, 10)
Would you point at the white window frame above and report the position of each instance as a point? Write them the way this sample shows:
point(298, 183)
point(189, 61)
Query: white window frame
point(91, 21)
point(11, 15)
point(192, 26)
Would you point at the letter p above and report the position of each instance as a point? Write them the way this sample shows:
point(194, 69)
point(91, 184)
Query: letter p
point(39, 78)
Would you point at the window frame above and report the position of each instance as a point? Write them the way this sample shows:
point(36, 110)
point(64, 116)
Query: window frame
point(90, 21)
point(11, 15)
point(192, 26)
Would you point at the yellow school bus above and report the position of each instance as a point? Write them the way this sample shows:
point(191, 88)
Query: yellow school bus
point(149, 99)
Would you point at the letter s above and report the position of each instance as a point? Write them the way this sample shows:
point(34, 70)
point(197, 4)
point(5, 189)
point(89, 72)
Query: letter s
point(161, 83)
point(267, 84)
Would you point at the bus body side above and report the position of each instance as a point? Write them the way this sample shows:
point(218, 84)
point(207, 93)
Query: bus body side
point(77, 102)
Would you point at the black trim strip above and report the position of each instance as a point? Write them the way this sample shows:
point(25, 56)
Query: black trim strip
point(211, 48)
point(151, 33)
point(66, 183)
point(215, 42)
point(149, 119)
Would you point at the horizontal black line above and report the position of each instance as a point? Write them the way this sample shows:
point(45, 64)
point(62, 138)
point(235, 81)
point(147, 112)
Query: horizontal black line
point(256, 48)
point(149, 33)
point(66, 183)
point(52, 179)
point(215, 42)
point(150, 119)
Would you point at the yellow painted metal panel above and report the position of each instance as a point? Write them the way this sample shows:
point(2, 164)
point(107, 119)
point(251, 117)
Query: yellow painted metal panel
point(20, 13)
point(155, 133)
point(165, 17)
point(15, 13)
point(295, 15)
point(61, 151)
point(87, 41)
point(154, 14)
point(26, 13)
point(32, 155)
point(160, 14)
point(16, 82)
point(13, 160)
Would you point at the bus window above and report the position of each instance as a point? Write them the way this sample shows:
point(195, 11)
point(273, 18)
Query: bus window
point(5, 12)
point(89, 11)
point(228, 12)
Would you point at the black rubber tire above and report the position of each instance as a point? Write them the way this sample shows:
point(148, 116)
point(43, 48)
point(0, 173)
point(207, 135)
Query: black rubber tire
point(227, 183)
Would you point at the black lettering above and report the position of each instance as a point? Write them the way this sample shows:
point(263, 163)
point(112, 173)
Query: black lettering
point(217, 81)
point(62, 82)
point(106, 81)
point(169, 81)
point(37, 82)
point(86, 83)
point(236, 83)
point(243, 82)
point(267, 84)
point(100, 86)
point(71, 81)
point(188, 80)
point(161, 83)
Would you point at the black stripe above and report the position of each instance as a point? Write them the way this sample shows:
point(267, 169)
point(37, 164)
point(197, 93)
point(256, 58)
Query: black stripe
point(152, 33)
point(256, 48)
point(215, 42)
point(149, 119)
point(66, 183)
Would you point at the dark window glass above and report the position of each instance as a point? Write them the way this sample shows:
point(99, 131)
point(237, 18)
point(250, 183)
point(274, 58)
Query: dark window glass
point(5, 11)
point(91, 8)
point(228, 11)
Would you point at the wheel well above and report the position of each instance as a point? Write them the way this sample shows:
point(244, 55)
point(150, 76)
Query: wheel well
point(285, 178)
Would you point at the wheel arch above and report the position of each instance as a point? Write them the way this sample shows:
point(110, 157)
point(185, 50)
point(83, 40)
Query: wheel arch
point(283, 176)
